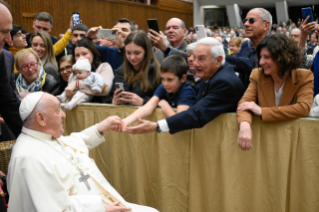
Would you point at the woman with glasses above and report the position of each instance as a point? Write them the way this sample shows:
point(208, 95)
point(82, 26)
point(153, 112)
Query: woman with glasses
point(33, 77)
point(278, 89)
point(65, 68)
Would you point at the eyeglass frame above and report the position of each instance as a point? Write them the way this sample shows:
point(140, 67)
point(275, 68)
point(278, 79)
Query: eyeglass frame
point(30, 66)
point(252, 20)
point(67, 68)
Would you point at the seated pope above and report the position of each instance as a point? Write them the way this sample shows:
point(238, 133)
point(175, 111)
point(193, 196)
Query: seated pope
point(51, 172)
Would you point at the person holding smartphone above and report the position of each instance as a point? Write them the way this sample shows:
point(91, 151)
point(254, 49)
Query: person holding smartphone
point(140, 73)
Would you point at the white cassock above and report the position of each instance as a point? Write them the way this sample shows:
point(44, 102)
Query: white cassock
point(41, 176)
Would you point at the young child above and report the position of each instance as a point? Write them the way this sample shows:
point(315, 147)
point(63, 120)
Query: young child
point(174, 91)
point(82, 71)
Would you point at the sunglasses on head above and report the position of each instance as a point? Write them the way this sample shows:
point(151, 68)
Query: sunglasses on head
point(251, 20)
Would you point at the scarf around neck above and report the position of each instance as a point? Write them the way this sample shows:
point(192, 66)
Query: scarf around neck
point(23, 85)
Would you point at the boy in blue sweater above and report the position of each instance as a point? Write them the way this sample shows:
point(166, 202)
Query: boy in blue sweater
point(174, 91)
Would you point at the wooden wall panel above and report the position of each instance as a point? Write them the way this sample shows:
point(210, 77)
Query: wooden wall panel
point(103, 13)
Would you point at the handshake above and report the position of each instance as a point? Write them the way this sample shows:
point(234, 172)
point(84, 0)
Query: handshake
point(117, 124)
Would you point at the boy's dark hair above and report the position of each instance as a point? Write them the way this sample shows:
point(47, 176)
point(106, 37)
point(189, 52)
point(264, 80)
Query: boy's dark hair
point(174, 64)
point(125, 20)
point(15, 29)
point(24, 31)
point(44, 16)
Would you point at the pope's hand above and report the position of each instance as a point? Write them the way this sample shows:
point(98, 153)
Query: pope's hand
point(108, 123)
point(144, 127)
point(114, 207)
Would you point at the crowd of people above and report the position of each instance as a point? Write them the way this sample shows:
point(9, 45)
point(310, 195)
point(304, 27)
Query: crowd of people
point(260, 69)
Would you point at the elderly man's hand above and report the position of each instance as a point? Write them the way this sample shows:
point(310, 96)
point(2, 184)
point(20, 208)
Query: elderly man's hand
point(244, 136)
point(144, 127)
point(109, 123)
point(158, 40)
point(114, 207)
point(252, 106)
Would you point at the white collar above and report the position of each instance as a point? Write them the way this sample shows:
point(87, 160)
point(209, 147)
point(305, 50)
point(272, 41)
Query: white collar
point(37, 134)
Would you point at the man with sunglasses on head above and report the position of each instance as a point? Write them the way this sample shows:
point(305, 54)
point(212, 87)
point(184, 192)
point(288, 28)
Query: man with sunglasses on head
point(257, 24)
point(78, 32)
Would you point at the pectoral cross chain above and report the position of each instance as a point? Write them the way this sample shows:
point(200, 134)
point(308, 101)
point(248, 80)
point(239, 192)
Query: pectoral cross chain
point(84, 178)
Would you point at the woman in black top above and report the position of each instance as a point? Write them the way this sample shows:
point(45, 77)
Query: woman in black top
point(140, 73)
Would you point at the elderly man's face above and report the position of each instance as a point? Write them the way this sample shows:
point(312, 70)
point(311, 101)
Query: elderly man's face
point(174, 32)
point(204, 64)
point(258, 28)
point(54, 116)
point(5, 26)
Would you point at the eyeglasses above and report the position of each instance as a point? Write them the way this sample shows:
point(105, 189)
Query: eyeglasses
point(32, 66)
point(66, 68)
point(251, 20)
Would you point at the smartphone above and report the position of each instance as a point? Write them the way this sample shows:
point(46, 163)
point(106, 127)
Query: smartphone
point(76, 18)
point(120, 86)
point(152, 24)
point(307, 12)
point(200, 31)
point(106, 33)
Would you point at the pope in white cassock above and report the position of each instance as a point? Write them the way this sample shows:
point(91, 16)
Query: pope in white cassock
point(50, 172)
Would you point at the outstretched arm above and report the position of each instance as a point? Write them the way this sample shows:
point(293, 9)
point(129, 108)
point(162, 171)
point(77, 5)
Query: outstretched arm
point(143, 111)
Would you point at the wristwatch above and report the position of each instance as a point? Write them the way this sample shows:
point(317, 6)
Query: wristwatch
point(158, 129)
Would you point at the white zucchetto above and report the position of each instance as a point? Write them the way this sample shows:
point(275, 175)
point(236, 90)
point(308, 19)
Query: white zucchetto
point(28, 103)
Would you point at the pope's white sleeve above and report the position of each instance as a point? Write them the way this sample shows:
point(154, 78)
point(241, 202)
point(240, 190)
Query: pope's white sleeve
point(90, 136)
point(84, 203)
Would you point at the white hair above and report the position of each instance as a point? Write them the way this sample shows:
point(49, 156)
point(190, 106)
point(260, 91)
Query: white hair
point(216, 48)
point(191, 47)
point(265, 15)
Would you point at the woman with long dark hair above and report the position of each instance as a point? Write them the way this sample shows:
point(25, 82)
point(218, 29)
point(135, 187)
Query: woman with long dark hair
point(140, 73)
point(85, 48)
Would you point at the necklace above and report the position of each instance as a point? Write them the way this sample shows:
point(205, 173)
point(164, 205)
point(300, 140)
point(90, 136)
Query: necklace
point(83, 177)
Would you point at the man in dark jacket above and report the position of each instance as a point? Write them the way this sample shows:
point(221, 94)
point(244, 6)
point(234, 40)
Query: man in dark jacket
point(219, 92)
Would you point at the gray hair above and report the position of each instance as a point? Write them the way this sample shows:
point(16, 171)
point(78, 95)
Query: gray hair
point(191, 47)
point(265, 15)
point(216, 47)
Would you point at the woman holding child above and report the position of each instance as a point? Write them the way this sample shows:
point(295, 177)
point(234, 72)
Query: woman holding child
point(140, 73)
point(86, 49)
point(278, 90)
